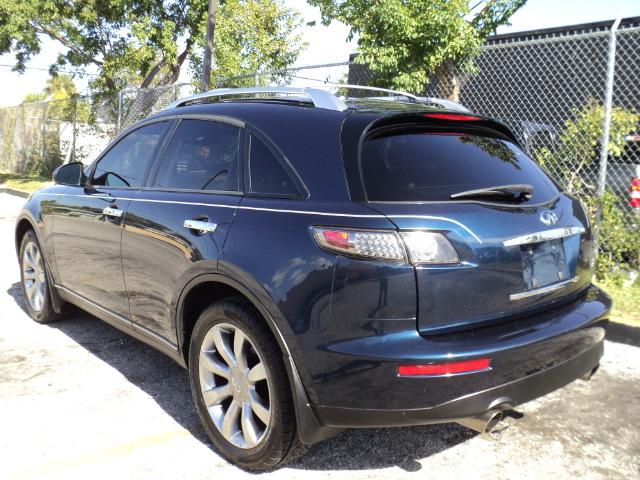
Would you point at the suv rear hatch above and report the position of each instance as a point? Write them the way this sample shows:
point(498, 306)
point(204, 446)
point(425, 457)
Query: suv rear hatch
point(523, 246)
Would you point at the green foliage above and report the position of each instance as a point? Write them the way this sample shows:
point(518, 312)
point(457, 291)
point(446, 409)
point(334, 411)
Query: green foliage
point(135, 40)
point(144, 42)
point(404, 42)
point(619, 244)
point(250, 36)
point(578, 145)
point(573, 163)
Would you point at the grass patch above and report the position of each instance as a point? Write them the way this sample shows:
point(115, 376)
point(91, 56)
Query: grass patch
point(25, 183)
point(626, 302)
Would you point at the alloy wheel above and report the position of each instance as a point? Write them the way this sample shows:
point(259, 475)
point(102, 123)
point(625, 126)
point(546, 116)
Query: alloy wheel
point(234, 385)
point(33, 276)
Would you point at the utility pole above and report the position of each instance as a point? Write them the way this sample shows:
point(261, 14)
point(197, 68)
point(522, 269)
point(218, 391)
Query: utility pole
point(208, 45)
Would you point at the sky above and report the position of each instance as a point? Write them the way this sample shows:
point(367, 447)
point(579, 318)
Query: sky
point(329, 45)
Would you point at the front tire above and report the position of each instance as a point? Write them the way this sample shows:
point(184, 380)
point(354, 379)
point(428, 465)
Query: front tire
point(240, 387)
point(35, 281)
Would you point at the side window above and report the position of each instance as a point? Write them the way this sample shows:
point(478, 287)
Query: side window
point(267, 175)
point(127, 163)
point(202, 155)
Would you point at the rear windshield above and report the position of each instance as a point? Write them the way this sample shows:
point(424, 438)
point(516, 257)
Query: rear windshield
point(431, 166)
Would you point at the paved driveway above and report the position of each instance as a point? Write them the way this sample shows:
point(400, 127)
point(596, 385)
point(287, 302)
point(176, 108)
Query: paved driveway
point(80, 400)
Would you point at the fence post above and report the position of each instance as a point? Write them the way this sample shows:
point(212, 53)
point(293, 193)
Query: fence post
point(45, 111)
point(604, 143)
point(175, 92)
point(72, 157)
point(119, 117)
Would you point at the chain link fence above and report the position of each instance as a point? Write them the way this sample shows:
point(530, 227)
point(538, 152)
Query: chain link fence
point(552, 89)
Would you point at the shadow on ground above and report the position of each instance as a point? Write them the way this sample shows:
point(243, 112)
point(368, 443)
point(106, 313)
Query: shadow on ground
point(168, 384)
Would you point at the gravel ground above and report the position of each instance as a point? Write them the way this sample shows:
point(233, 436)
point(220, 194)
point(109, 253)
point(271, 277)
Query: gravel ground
point(78, 400)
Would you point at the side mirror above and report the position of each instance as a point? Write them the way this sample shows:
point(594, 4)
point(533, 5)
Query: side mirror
point(70, 174)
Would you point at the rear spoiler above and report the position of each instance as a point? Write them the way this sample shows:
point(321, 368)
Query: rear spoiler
point(441, 118)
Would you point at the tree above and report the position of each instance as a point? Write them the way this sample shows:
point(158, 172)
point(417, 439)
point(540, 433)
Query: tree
point(251, 36)
point(405, 42)
point(143, 41)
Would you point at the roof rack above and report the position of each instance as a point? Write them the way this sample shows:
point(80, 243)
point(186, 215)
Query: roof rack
point(319, 98)
point(317, 95)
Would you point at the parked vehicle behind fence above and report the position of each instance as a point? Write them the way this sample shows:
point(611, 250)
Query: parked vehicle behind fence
point(320, 263)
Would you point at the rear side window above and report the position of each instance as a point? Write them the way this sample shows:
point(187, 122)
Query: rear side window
point(267, 174)
point(128, 162)
point(431, 166)
point(202, 155)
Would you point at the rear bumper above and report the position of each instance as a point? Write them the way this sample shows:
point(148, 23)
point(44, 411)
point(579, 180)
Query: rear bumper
point(507, 395)
point(353, 383)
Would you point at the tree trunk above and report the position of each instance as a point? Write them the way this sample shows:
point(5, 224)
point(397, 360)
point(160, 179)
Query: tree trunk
point(448, 82)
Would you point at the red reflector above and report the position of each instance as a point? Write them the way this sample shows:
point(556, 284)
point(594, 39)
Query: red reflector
point(451, 368)
point(336, 238)
point(451, 116)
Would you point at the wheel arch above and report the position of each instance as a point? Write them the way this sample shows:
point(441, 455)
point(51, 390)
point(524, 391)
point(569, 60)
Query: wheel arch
point(310, 429)
point(24, 223)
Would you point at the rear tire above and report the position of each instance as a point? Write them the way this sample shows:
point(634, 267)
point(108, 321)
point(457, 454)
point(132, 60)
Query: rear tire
point(35, 280)
point(237, 366)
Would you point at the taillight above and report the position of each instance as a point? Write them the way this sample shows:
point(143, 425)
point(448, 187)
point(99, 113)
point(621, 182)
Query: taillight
point(429, 247)
point(361, 243)
point(420, 246)
point(444, 369)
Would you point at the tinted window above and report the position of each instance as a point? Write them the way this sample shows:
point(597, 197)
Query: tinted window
point(428, 166)
point(202, 155)
point(267, 175)
point(127, 163)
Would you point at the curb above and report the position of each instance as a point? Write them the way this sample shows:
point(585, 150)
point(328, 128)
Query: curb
point(14, 192)
point(622, 333)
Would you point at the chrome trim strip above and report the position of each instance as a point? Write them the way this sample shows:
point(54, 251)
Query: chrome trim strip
point(542, 290)
point(114, 315)
point(544, 235)
point(120, 319)
point(154, 335)
point(279, 210)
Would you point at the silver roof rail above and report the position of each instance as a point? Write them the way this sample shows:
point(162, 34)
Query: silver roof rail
point(448, 104)
point(319, 98)
point(318, 95)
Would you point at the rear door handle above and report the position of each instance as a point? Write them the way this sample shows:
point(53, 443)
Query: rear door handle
point(112, 212)
point(200, 226)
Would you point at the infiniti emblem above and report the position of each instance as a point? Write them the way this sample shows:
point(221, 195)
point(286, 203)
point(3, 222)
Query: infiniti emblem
point(548, 218)
point(236, 384)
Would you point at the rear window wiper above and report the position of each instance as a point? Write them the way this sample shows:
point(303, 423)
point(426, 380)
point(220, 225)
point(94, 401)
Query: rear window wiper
point(517, 191)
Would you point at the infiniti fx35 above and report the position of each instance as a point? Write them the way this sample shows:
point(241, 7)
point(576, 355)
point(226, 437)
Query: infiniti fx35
point(320, 263)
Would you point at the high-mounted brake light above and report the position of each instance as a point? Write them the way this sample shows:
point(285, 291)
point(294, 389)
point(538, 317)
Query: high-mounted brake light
point(444, 369)
point(422, 247)
point(456, 117)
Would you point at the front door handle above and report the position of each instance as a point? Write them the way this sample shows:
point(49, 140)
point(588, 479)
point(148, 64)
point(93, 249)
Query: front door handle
point(112, 212)
point(200, 226)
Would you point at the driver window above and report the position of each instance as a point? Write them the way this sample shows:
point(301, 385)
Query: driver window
point(127, 163)
point(202, 155)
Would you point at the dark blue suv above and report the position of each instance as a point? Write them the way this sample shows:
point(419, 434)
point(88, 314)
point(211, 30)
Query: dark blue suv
point(321, 262)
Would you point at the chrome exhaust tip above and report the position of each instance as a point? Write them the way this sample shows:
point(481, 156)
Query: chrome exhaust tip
point(484, 423)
